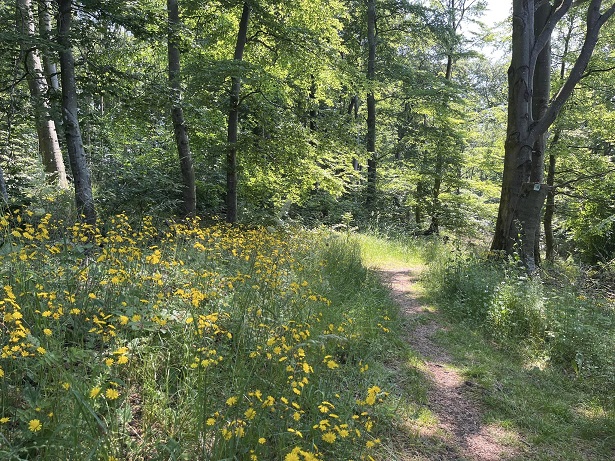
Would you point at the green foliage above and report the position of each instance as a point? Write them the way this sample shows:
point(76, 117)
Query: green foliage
point(555, 319)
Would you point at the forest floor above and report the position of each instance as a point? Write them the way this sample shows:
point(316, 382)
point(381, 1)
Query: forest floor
point(455, 429)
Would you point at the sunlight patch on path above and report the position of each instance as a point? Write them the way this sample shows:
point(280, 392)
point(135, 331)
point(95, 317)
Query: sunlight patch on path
point(459, 429)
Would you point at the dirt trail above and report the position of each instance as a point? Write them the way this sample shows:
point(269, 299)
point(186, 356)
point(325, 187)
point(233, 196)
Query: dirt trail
point(459, 428)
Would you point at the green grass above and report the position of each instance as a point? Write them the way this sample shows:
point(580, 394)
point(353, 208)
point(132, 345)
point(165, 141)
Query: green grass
point(382, 252)
point(212, 343)
point(528, 383)
point(540, 351)
point(559, 416)
point(190, 342)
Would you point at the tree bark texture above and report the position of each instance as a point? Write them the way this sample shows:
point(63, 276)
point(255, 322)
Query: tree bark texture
point(550, 211)
point(540, 103)
point(76, 152)
point(233, 120)
point(45, 9)
point(49, 65)
point(177, 113)
point(3, 192)
point(550, 250)
point(49, 147)
point(372, 161)
point(523, 194)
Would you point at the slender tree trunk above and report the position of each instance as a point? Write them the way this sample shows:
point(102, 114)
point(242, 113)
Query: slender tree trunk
point(49, 65)
point(550, 211)
point(449, 67)
point(49, 146)
point(76, 153)
point(3, 192)
point(233, 120)
point(550, 203)
point(313, 112)
point(434, 226)
point(353, 107)
point(177, 113)
point(45, 10)
point(372, 161)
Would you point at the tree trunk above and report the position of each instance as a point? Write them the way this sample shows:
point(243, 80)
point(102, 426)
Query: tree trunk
point(540, 103)
point(522, 199)
point(233, 120)
point(313, 113)
point(372, 161)
point(449, 67)
point(45, 9)
point(177, 113)
point(76, 153)
point(3, 192)
point(49, 146)
point(550, 211)
point(49, 65)
point(434, 225)
point(353, 107)
point(550, 204)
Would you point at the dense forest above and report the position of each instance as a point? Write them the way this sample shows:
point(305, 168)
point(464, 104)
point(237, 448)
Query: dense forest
point(192, 173)
point(391, 112)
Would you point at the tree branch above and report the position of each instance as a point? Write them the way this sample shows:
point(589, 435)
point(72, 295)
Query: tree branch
point(585, 177)
point(594, 22)
point(594, 71)
point(545, 35)
point(14, 83)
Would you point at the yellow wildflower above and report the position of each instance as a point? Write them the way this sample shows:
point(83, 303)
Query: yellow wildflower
point(35, 425)
point(94, 392)
point(112, 394)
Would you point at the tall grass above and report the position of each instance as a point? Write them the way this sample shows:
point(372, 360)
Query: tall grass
point(187, 342)
point(380, 251)
point(554, 319)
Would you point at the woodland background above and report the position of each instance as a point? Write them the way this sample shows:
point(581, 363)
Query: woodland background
point(300, 90)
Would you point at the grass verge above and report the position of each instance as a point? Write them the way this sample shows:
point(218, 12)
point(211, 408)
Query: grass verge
point(540, 352)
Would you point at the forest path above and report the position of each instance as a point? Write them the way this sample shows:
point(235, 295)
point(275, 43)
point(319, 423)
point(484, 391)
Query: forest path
point(458, 432)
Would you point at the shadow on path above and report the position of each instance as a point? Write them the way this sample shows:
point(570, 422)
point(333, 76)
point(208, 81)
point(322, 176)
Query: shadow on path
point(459, 433)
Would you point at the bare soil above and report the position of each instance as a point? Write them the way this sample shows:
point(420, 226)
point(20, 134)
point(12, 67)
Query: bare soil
point(459, 432)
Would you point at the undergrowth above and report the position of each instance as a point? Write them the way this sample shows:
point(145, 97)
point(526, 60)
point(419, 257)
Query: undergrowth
point(552, 318)
point(188, 342)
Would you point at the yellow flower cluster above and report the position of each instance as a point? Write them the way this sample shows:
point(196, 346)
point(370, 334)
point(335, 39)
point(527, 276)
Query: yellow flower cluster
point(80, 305)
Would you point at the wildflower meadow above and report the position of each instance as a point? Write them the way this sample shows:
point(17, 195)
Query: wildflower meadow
point(186, 341)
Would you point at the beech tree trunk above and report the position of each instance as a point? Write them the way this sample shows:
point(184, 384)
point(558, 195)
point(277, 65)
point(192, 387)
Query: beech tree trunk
point(49, 65)
point(353, 108)
point(48, 144)
point(177, 113)
point(372, 161)
point(3, 192)
point(76, 153)
point(233, 120)
point(550, 211)
point(45, 10)
point(540, 103)
point(523, 194)
point(550, 203)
